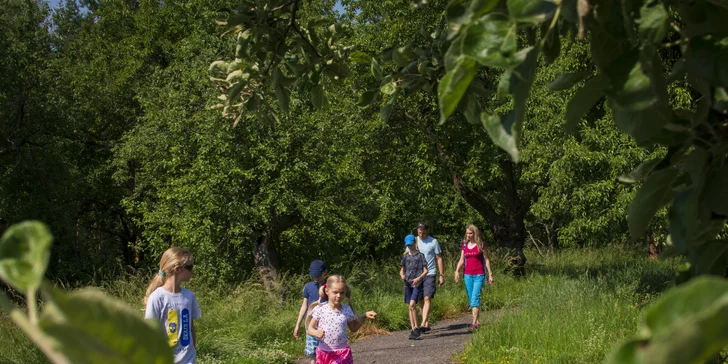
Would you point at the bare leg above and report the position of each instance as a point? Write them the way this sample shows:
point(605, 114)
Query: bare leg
point(425, 312)
point(476, 316)
point(413, 314)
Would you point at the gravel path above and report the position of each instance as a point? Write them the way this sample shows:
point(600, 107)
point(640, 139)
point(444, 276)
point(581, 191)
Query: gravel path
point(447, 338)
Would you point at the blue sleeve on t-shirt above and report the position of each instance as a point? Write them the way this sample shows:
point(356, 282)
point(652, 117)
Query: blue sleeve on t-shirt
point(310, 291)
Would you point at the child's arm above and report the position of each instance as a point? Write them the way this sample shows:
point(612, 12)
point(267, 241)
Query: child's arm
point(416, 281)
point(311, 331)
point(301, 313)
point(355, 324)
point(401, 273)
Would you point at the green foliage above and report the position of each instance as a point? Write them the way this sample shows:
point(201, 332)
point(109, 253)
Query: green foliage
point(684, 326)
point(79, 327)
point(24, 254)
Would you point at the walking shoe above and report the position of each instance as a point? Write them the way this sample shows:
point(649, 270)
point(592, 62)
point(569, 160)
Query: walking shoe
point(412, 334)
point(476, 326)
point(471, 327)
point(425, 329)
point(416, 334)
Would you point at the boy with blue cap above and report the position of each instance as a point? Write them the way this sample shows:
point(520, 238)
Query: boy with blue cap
point(317, 272)
point(413, 269)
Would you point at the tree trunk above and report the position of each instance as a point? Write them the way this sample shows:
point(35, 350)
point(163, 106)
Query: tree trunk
point(508, 231)
point(265, 253)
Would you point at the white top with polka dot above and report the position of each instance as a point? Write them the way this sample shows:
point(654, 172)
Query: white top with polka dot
point(333, 322)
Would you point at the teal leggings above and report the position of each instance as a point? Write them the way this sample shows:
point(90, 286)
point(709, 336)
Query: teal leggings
point(473, 285)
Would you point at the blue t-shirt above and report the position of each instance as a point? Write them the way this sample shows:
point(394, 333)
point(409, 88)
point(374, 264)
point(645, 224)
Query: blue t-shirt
point(310, 291)
point(430, 247)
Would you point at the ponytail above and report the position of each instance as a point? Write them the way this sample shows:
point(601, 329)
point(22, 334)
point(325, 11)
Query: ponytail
point(170, 261)
point(156, 282)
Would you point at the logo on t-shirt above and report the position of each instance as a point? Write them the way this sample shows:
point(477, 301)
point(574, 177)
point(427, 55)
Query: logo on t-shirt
point(172, 324)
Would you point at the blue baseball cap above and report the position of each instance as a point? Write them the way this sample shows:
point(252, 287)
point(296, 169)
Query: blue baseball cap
point(317, 268)
point(409, 240)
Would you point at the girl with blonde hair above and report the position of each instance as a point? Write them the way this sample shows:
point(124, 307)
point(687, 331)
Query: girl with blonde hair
point(173, 306)
point(474, 255)
point(329, 322)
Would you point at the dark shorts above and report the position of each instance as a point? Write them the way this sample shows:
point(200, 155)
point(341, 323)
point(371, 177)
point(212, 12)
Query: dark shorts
point(412, 293)
point(430, 286)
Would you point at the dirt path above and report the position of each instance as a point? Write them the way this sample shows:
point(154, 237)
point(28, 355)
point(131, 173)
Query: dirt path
point(447, 338)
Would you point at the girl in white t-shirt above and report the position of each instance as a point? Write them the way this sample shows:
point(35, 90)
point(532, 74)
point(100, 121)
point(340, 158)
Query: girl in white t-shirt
point(174, 307)
point(329, 322)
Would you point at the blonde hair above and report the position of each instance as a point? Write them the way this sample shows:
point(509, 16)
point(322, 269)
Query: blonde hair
point(334, 280)
point(476, 235)
point(171, 259)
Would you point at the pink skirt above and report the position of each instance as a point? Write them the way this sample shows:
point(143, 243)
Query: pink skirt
point(342, 356)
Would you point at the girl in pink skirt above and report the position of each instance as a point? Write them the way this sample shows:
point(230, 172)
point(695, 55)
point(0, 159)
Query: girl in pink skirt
point(329, 322)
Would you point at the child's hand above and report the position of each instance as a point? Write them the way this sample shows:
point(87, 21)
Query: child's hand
point(320, 333)
point(416, 282)
point(402, 276)
point(457, 277)
point(371, 315)
point(295, 333)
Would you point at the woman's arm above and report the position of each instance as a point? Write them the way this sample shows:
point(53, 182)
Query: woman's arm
point(460, 265)
point(311, 331)
point(301, 313)
point(487, 266)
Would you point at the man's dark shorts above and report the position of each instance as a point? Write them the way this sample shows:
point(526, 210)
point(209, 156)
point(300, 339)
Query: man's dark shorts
point(412, 293)
point(430, 286)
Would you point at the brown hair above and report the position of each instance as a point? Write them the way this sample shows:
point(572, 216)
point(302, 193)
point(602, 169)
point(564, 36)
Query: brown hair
point(171, 259)
point(476, 236)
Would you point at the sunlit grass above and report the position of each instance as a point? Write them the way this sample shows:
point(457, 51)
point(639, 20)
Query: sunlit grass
point(571, 307)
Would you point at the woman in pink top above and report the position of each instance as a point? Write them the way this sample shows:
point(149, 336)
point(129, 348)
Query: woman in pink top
point(330, 320)
point(475, 258)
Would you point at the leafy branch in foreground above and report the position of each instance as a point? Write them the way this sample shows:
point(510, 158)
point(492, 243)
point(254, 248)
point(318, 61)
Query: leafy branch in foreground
point(84, 326)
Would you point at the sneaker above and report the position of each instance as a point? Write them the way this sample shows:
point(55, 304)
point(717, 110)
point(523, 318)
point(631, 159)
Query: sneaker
point(476, 326)
point(425, 330)
point(471, 327)
point(416, 334)
point(412, 334)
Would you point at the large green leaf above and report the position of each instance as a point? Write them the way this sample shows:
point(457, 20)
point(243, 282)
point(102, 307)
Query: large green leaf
point(639, 173)
point(367, 97)
point(631, 89)
point(686, 325)
point(491, 41)
point(470, 107)
point(646, 126)
point(504, 131)
point(584, 99)
point(360, 57)
point(530, 11)
point(653, 22)
point(318, 97)
point(458, 12)
point(518, 81)
point(566, 81)
point(710, 258)
point(91, 327)
point(453, 86)
point(654, 194)
point(24, 254)
point(707, 57)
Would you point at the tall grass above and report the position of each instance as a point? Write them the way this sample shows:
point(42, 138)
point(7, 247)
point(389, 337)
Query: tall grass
point(572, 307)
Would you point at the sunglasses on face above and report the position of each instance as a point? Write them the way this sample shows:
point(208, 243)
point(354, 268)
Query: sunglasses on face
point(188, 267)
